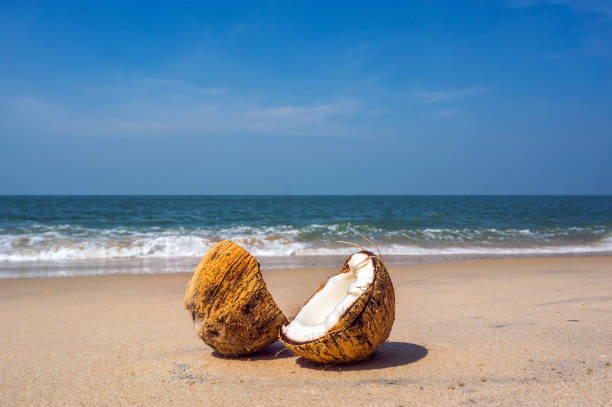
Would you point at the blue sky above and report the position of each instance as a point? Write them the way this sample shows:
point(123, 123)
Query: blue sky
point(423, 97)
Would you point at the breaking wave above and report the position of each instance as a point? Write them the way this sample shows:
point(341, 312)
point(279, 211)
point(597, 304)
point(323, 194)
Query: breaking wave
point(69, 242)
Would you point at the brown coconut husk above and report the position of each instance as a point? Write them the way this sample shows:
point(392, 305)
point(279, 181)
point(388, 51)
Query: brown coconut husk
point(229, 303)
point(361, 329)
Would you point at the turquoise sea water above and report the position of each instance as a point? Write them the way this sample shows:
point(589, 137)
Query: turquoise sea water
point(294, 231)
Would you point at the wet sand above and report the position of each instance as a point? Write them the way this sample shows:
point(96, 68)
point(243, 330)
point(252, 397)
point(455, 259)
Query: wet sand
point(502, 332)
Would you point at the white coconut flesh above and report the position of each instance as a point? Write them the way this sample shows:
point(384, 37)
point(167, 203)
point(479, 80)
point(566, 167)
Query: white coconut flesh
point(325, 308)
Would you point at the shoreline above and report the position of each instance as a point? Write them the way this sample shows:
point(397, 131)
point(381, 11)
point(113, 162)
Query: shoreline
point(177, 265)
point(504, 332)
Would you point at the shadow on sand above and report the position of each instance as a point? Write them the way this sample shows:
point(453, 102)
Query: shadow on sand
point(275, 351)
point(390, 354)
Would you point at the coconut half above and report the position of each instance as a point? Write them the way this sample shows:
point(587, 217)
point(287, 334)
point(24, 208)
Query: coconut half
point(230, 306)
point(348, 317)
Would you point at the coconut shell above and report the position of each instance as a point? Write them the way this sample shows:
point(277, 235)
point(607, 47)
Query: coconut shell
point(361, 329)
point(229, 303)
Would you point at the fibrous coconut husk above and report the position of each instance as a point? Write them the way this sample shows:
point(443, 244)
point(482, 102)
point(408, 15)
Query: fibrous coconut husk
point(227, 298)
point(361, 329)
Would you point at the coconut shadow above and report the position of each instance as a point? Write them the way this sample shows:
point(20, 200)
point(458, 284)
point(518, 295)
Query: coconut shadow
point(390, 354)
point(275, 351)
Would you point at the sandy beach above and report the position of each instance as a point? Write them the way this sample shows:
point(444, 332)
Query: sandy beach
point(486, 333)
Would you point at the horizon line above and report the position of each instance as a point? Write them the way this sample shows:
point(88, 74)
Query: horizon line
point(308, 195)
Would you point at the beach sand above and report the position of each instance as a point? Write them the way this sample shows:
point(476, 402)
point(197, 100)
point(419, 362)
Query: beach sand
point(506, 332)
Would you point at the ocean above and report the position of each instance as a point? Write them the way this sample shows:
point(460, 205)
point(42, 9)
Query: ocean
point(82, 235)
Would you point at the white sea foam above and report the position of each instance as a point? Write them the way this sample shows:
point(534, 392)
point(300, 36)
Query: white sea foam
point(67, 242)
point(192, 246)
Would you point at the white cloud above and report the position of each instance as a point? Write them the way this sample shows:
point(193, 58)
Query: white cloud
point(598, 7)
point(359, 55)
point(181, 85)
point(359, 49)
point(443, 113)
point(177, 107)
point(597, 15)
point(439, 96)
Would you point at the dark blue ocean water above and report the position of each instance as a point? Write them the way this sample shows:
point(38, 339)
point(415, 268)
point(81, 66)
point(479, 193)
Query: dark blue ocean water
point(67, 228)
